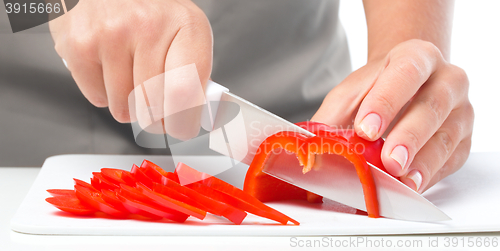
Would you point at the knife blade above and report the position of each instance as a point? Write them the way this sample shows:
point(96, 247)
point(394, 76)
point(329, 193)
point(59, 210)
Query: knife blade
point(336, 179)
point(239, 136)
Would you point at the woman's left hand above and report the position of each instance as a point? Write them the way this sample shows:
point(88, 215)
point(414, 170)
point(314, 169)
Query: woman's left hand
point(419, 100)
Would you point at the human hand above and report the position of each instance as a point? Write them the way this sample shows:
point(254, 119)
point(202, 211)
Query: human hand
point(113, 46)
point(422, 97)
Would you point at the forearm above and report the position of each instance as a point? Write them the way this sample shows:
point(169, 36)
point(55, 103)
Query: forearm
point(391, 22)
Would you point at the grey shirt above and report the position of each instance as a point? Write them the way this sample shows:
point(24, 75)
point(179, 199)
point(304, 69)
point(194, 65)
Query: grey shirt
point(283, 55)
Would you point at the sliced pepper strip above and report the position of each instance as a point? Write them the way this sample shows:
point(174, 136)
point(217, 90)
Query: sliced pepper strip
point(238, 203)
point(66, 200)
point(214, 206)
point(100, 182)
point(118, 176)
point(141, 177)
point(153, 171)
point(61, 192)
point(306, 150)
point(151, 192)
point(185, 172)
point(112, 198)
point(94, 199)
point(150, 208)
point(172, 203)
point(135, 198)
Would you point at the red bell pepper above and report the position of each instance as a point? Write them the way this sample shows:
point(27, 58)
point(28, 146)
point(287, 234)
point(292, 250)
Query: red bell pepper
point(134, 197)
point(153, 171)
point(118, 176)
point(141, 177)
point(100, 182)
point(212, 205)
point(94, 199)
point(169, 202)
point(327, 140)
point(112, 198)
point(265, 187)
point(151, 192)
point(205, 183)
point(66, 201)
point(61, 192)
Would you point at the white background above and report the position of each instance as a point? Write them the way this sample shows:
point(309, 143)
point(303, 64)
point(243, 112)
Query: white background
point(475, 48)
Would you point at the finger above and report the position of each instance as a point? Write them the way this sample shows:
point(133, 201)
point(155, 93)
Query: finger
point(405, 72)
point(340, 105)
point(149, 66)
point(438, 150)
point(118, 80)
point(453, 164)
point(445, 90)
point(187, 68)
point(85, 70)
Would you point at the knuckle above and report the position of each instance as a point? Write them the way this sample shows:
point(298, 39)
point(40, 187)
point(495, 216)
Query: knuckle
point(437, 108)
point(445, 96)
point(408, 71)
point(387, 104)
point(408, 44)
point(83, 47)
point(446, 90)
point(190, 17)
point(426, 47)
point(461, 77)
point(150, 21)
point(469, 109)
point(430, 49)
point(115, 31)
point(467, 145)
point(467, 118)
point(447, 142)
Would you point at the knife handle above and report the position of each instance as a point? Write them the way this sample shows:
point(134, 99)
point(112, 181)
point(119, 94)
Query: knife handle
point(213, 93)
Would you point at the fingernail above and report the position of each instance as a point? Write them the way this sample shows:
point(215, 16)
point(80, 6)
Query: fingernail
point(400, 155)
point(416, 177)
point(371, 125)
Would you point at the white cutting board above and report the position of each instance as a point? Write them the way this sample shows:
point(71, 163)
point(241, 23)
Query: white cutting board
point(471, 197)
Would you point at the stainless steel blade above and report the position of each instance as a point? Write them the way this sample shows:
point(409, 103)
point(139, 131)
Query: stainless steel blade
point(335, 178)
point(245, 132)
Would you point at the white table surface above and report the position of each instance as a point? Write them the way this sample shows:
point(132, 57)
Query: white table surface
point(15, 183)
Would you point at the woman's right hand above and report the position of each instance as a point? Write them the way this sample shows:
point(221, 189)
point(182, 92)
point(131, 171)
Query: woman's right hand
point(113, 46)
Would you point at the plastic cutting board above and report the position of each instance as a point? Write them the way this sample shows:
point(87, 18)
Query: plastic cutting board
point(470, 197)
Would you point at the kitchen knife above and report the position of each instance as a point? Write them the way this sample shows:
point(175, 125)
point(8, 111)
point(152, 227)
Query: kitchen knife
point(336, 179)
point(239, 136)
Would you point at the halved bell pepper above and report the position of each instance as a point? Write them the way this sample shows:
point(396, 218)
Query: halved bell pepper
point(265, 187)
point(327, 140)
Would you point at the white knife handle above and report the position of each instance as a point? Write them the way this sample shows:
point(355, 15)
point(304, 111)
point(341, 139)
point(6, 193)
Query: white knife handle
point(213, 92)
